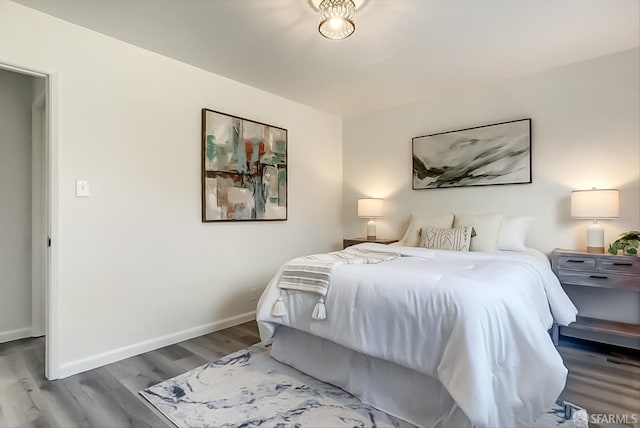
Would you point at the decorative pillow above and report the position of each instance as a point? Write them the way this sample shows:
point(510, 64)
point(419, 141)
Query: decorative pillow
point(513, 233)
point(458, 239)
point(412, 236)
point(487, 228)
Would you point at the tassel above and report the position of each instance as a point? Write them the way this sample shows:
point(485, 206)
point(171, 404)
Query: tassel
point(319, 311)
point(279, 309)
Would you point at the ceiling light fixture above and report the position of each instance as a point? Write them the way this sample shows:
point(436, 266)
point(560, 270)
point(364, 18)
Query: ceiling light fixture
point(337, 19)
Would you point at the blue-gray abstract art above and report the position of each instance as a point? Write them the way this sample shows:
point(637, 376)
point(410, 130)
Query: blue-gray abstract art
point(485, 155)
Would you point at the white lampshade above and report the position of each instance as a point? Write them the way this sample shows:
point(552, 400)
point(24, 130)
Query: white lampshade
point(595, 203)
point(369, 208)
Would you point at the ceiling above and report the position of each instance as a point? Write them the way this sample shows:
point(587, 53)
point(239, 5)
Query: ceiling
point(402, 50)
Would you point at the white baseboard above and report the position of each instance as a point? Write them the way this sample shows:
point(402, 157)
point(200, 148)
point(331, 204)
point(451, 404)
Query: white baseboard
point(99, 360)
point(20, 333)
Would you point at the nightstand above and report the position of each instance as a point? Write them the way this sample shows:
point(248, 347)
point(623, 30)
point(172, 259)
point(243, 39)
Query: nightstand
point(353, 241)
point(611, 273)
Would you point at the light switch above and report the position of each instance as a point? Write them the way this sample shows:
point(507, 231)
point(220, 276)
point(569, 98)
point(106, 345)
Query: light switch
point(82, 189)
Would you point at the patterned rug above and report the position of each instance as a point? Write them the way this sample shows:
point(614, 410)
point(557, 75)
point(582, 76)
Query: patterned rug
point(250, 389)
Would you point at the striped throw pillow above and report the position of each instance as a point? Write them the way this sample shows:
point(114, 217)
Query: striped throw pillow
point(458, 239)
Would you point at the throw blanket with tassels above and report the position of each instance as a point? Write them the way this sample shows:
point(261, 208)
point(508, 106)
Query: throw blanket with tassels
point(313, 274)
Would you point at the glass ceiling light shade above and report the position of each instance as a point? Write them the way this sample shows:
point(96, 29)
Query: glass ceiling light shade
point(337, 19)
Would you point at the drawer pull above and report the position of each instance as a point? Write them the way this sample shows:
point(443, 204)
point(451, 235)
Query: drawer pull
point(575, 261)
point(622, 264)
point(598, 277)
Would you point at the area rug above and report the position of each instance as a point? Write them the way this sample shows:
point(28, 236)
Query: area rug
point(250, 389)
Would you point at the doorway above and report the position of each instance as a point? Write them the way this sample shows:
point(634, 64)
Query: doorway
point(26, 208)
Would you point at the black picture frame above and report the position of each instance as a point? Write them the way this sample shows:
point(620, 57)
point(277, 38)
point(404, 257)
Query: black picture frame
point(244, 169)
point(487, 155)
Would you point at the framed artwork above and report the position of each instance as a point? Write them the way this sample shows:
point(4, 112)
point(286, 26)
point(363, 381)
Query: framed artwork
point(244, 169)
point(485, 155)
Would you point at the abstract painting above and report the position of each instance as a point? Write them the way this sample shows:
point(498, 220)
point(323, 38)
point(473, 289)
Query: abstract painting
point(244, 169)
point(485, 155)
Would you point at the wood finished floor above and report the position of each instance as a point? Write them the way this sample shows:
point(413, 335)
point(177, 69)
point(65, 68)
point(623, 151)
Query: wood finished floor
point(601, 381)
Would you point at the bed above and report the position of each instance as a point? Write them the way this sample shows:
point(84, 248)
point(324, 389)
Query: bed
point(437, 338)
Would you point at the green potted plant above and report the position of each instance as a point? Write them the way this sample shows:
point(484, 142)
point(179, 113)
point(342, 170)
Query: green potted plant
point(628, 242)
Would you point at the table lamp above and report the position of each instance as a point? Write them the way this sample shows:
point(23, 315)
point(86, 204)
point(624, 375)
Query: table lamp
point(595, 204)
point(370, 208)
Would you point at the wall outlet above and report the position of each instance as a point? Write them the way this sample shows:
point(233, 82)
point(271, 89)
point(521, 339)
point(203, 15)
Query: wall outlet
point(254, 294)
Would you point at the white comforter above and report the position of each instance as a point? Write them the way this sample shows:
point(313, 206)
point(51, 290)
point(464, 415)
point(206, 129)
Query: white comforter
point(475, 321)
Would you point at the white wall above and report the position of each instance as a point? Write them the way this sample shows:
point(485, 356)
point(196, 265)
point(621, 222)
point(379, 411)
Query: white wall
point(586, 133)
point(15, 205)
point(137, 268)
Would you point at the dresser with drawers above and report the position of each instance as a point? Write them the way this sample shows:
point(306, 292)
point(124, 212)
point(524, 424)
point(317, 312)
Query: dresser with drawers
point(605, 271)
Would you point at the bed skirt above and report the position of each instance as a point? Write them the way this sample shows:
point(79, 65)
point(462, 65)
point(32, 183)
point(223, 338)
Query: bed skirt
point(401, 392)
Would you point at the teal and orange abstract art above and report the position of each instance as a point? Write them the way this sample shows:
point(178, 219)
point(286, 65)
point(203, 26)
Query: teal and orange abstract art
point(244, 169)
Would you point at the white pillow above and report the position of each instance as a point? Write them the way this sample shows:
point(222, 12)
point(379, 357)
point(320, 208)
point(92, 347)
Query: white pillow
point(418, 221)
point(458, 239)
point(487, 228)
point(513, 233)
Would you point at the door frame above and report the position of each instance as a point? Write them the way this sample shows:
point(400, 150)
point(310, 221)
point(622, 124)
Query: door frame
point(39, 222)
point(50, 211)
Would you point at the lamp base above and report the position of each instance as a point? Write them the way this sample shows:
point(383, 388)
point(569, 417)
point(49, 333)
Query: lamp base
point(371, 230)
point(595, 238)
